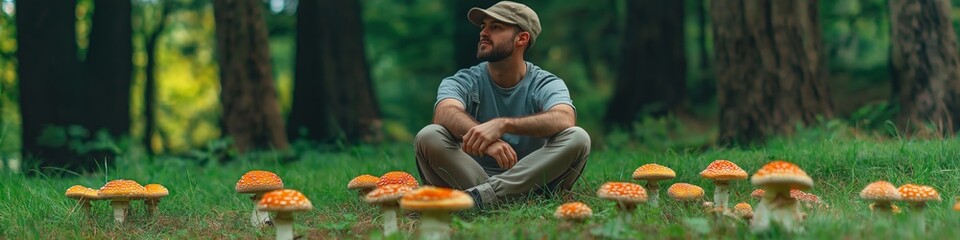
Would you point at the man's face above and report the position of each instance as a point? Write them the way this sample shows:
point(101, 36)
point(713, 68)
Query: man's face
point(497, 40)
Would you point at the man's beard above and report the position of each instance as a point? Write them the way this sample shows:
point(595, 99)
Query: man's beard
point(499, 52)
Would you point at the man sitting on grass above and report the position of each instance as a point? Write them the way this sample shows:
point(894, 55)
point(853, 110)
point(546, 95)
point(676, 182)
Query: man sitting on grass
point(505, 127)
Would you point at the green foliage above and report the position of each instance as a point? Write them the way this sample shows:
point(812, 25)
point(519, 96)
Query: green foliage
point(78, 139)
point(876, 116)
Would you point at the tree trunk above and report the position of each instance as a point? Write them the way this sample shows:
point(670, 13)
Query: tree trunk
point(251, 112)
point(924, 66)
point(333, 96)
point(652, 66)
point(48, 72)
point(466, 36)
point(109, 66)
point(150, 83)
point(769, 66)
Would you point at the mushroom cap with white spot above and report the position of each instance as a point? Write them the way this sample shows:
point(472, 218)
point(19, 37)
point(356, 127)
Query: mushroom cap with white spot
point(81, 192)
point(430, 198)
point(121, 190)
point(258, 181)
point(389, 194)
point(365, 181)
point(625, 192)
point(880, 191)
point(398, 177)
point(653, 172)
point(723, 170)
point(573, 211)
point(743, 209)
point(685, 192)
point(155, 191)
point(782, 173)
point(758, 193)
point(918, 193)
point(284, 200)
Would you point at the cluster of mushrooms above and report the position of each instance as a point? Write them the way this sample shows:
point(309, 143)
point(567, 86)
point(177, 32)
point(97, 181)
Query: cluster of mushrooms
point(270, 196)
point(120, 193)
point(781, 186)
point(883, 194)
point(400, 190)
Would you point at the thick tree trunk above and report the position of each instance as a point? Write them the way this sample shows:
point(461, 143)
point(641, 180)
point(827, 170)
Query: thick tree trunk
point(333, 96)
point(109, 66)
point(770, 69)
point(466, 36)
point(48, 79)
point(251, 112)
point(653, 66)
point(925, 67)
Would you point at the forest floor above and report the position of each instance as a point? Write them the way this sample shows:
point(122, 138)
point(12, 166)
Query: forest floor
point(203, 204)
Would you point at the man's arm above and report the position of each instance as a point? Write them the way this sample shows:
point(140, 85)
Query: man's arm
point(545, 124)
point(451, 114)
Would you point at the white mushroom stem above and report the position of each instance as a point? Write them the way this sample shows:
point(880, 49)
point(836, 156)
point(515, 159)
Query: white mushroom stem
point(625, 211)
point(120, 210)
point(151, 205)
point(435, 225)
point(653, 188)
point(882, 207)
point(777, 206)
point(389, 218)
point(918, 217)
point(721, 196)
point(85, 204)
point(258, 218)
point(284, 224)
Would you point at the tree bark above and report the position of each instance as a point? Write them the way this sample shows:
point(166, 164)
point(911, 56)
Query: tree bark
point(652, 66)
point(466, 36)
point(924, 66)
point(48, 72)
point(333, 96)
point(109, 66)
point(769, 66)
point(150, 83)
point(251, 112)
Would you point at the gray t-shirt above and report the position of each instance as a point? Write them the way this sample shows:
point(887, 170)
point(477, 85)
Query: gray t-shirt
point(538, 91)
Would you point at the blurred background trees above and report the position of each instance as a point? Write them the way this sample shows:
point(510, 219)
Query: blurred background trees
point(81, 80)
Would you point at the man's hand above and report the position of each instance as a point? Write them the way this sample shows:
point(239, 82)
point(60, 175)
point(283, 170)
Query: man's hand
point(478, 138)
point(504, 154)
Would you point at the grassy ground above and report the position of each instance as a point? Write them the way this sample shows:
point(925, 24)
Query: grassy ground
point(203, 204)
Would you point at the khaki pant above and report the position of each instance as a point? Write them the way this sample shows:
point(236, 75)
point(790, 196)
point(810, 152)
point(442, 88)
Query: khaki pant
point(556, 166)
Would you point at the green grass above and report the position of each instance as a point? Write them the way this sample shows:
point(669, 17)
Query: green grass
point(203, 204)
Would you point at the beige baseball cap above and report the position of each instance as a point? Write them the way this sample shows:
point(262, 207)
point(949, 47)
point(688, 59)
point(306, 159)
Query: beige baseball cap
point(509, 12)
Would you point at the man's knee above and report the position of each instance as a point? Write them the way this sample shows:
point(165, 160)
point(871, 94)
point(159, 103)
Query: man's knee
point(577, 137)
point(430, 136)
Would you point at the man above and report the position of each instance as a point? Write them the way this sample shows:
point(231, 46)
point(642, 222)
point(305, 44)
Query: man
point(505, 127)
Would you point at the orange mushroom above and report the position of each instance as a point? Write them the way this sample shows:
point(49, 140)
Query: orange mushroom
point(722, 172)
point(398, 177)
point(284, 202)
point(918, 196)
point(573, 212)
point(388, 197)
point(120, 192)
point(626, 195)
point(435, 204)
point(777, 178)
point(653, 173)
point(363, 184)
point(258, 183)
